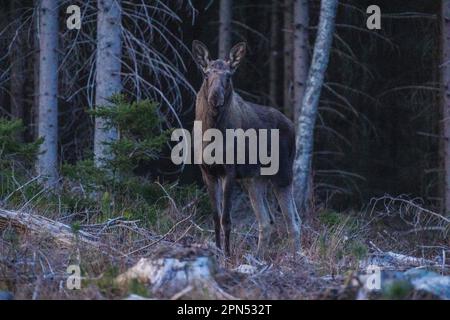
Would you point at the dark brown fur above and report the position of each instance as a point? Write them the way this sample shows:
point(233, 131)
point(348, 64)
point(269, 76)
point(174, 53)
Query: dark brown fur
point(219, 106)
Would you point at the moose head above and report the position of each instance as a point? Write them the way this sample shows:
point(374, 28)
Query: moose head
point(217, 73)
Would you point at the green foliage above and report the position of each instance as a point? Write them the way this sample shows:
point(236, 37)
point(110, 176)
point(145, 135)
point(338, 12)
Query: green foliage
point(16, 160)
point(84, 171)
point(107, 283)
point(107, 192)
point(358, 250)
point(397, 290)
point(11, 148)
point(330, 218)
point(115, 189)
point(75, 227)
point(136, 287)
point(140, 129)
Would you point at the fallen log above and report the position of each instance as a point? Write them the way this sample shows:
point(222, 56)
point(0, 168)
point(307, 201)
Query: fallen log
point(60, 232)
point(175, 271)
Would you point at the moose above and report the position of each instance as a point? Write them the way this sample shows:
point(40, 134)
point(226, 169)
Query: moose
point(218, 106)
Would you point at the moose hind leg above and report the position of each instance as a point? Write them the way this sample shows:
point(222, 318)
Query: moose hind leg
point(257, 193)
point(287, 204)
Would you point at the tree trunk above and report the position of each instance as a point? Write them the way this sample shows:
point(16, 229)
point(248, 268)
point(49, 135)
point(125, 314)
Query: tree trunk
point(308, 112)
point(17, 61)
point(225, 28)
point(273, 62)
point(288, 59)
point(301, 56)
point(34, 117)
point(108, 67)
point(47, 165)
point(445, 75)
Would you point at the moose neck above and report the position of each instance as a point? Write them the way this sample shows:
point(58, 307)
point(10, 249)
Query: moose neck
point(211, 116)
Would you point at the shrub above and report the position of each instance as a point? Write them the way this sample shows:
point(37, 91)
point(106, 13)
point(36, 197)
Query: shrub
point(16, 159)
point(117, 189)
point(140, 130)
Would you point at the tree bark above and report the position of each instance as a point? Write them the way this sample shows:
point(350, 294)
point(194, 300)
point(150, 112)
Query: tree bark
point(445, 79)
point(288, 58)
point(47, 165)
point(17, 61)
point(308, 112)
point(34, 117)
point(273, 62)
point(225, 28)
point(301, 55)
point(108, 67)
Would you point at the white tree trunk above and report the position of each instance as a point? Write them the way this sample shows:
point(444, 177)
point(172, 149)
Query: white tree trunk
point(108, 67)
point(47, 165)
point(301, 56)
point(308, 113)
point(288, 58)
point(225, 28)
point(445, 79)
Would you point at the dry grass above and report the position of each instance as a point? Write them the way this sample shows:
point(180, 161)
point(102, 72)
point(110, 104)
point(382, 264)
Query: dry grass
point(34, 266)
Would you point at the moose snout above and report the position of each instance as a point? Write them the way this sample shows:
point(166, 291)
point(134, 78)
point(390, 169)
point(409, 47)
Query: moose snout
point(216, 98)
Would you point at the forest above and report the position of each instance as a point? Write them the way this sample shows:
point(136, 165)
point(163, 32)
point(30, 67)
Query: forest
point(97, 201)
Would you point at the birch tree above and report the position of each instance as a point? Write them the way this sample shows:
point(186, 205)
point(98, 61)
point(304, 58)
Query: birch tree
point(310, 103)
point(108, 67)
point(445, 79)
point(225, 28)
point(301, 56)
point(287, 60)
point(47, 163)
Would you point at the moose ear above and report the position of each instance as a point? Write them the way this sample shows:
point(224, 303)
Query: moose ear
point(237, 53)
point(200, 54)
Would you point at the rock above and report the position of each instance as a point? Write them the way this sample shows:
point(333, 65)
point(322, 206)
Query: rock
point(393, 284)
point(5, 295)
point(430, 282)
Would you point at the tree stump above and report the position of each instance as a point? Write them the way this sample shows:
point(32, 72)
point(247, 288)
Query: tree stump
point(175, 278)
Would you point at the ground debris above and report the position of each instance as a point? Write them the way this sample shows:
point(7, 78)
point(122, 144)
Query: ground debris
point(176, 277)
point(394, 275)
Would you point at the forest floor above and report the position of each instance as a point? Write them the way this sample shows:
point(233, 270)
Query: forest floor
point(34, 266)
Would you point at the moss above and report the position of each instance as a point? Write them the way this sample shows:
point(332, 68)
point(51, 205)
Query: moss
point(397, 290)
point(330, 218)
point(136, 287)
point(76, 227)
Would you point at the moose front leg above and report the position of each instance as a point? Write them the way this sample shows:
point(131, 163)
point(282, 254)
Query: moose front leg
point(215, 195)
point(227, 188)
